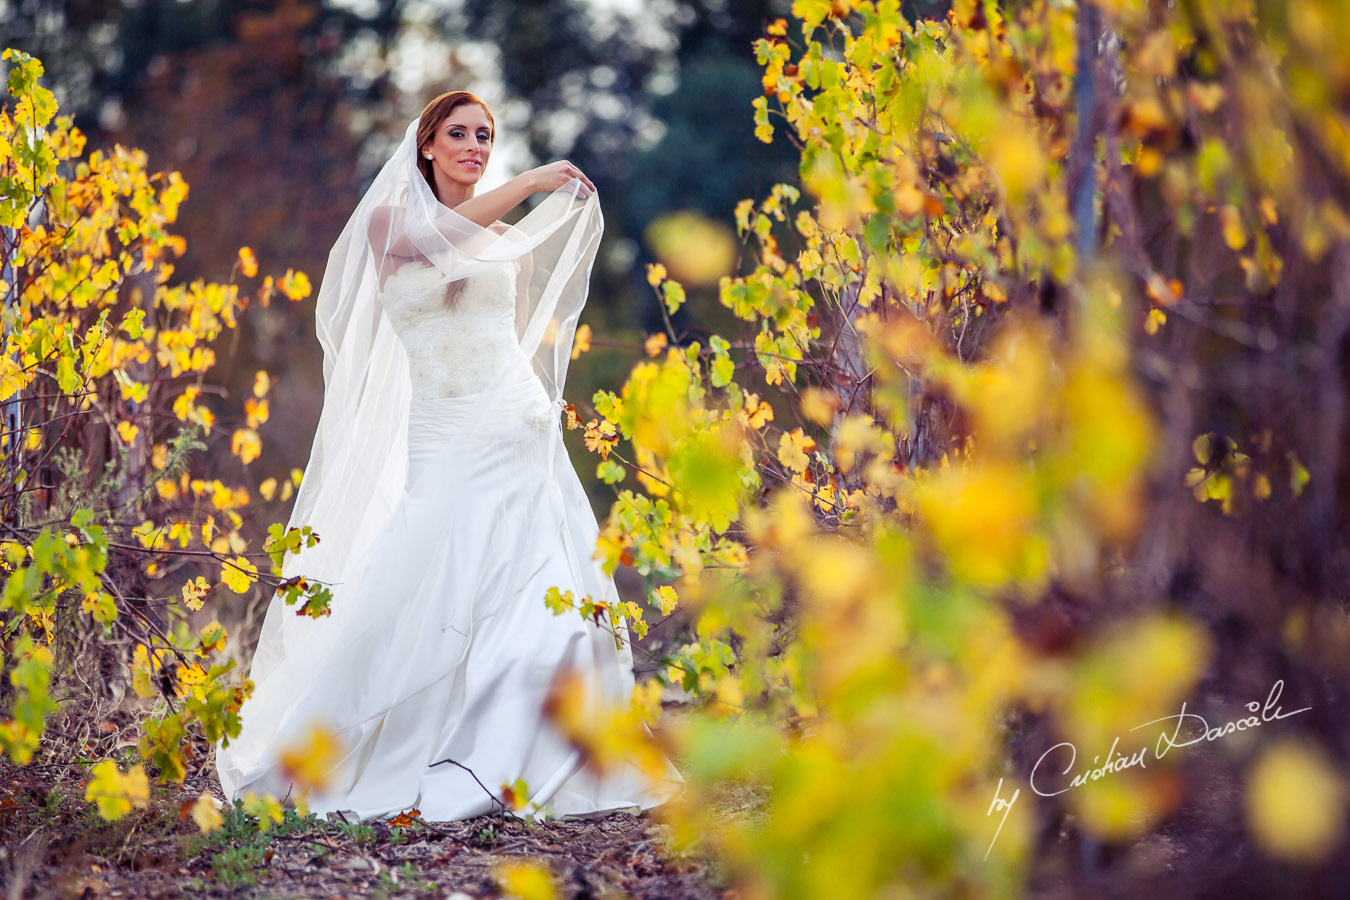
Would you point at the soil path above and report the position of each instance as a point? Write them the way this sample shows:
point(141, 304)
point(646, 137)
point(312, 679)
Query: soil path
point(52, 844)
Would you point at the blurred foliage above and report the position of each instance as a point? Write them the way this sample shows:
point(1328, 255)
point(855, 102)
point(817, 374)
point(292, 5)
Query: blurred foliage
point(112, 537)
point(931, 508)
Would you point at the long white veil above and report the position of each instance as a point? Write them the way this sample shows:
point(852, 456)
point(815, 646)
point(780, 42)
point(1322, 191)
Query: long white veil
point(358, 464)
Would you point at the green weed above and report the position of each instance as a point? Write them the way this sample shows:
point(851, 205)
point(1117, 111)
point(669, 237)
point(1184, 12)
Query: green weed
point(239, 847)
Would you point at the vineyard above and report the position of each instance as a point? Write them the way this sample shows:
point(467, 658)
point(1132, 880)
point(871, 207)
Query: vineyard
point(978, 500)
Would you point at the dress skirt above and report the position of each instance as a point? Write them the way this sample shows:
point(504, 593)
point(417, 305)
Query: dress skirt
point(441, 647)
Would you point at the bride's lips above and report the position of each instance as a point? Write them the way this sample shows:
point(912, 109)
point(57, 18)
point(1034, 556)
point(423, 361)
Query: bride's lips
point(471, 163)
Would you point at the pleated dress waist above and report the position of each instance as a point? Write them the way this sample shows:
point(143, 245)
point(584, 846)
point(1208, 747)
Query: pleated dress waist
point(516, 408)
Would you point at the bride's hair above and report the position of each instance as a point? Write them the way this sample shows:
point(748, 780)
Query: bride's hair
point(436, 112)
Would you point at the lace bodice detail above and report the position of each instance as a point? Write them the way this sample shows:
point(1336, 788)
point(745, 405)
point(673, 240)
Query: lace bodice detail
point(454, 351)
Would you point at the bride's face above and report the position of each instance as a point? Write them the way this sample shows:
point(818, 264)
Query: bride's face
point(462, 144)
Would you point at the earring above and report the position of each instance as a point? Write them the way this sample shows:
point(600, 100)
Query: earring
point(427, 155)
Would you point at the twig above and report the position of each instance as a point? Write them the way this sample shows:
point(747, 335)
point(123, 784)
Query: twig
point(491, 795)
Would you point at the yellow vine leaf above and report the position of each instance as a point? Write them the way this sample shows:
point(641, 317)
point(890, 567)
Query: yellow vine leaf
point(117, 794)
point(310, 761)
point(792, 449)
point(1295, 802)
point(524, 880)
point(581, 341)
point(248, 263)
point(237, 574)
point(206, 814)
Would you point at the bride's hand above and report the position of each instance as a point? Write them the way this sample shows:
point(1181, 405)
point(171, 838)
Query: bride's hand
point(554, 175)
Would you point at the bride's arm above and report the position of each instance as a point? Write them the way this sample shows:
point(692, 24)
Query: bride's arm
point(486, 208)
point(387, 236)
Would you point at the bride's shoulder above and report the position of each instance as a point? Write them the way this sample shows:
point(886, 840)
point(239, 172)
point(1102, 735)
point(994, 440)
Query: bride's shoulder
point(384, 229)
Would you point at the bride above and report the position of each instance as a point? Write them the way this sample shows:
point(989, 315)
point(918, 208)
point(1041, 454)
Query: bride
point(446, 505)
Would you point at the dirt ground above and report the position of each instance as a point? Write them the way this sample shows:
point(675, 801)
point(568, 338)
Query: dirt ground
point(53, 845)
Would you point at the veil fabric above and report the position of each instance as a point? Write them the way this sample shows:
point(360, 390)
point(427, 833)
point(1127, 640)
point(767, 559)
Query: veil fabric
point(358, 464)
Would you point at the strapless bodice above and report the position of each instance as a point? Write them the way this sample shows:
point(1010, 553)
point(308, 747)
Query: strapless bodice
point(460, 349)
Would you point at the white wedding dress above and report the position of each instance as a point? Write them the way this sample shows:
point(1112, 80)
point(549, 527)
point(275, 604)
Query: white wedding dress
point(441, 646)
